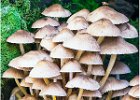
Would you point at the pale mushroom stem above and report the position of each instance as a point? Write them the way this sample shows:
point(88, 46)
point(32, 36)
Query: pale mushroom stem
point(118, 76)
point(44, 97)
point(36, 93)
point(90, 98)
point(80, 94)
point(18, 96)
point(78, 55)
point(39, 47)
point(63, 75)
point(22, 50)
point(31, 91)
point(70, 78)
point(100, 40)
point(109, 68)
point(109, 96)
point(21, 88)
point(95, 77)
point(89, 69)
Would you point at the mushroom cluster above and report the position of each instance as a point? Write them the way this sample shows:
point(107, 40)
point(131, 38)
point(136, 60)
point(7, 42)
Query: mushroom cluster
point(69, 62)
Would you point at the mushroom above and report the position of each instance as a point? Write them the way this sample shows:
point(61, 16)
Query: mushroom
point(64, 35)
point(73, 97)
point(16, 74)
point(114, 46)
point(47, 43)
point(82, 42)
point(53, 89)
point(127, 97)
point(21, 37)
point(83, 13)
point(105, 12)
point(113, 84)
point(62, 26)
point(77, 23)
point(128, 31)
point(40, 23)
point(91, 94)
point(90, 59)
point(62, 53)
point(83, 82)
point(135, 81)
point(134, 92)
point(28, 97)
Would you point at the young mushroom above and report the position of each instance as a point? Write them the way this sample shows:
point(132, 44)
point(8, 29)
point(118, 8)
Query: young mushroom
point(134, 92)
point(21, 37)
point(135, 81)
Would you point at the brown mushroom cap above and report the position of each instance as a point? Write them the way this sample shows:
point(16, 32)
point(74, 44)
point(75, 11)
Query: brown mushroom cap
point(45, 21)
point(98, 70)
point(91, 59)
point(46, 31)
point(71, 66)
point(134, 92)
point(38, 84)
point(120, 92)
point(117, 46)
point(77, 23)
point(120, 68)
point(82, 42)
point(28, 97)
point(63, 35)
point(135, 81)
point(83, 13)
point(25, 84)
point(47, 43)
point(45, 69)
point(56, 10)
point(61, 52)
point(105, 12)
point(13, 73)
point(83, 82)
point(21, 37)
point(92, 94)
point(113, 84)
point(128, 31)
point(103, 28)
point(53, 89)
point(30, 59)
point(127, 97)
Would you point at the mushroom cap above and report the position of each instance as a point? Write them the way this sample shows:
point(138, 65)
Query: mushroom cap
point(13, 73)
point(98, 70)
point(62, 26)
point(29, 79)
point(61, 52)
point(104, 28)
point(53, 89)
point(25, 84)
point(91, 59)
point(71, 66)
point(113, 84)
point(82, 31)
point(45, 69)
point(57, 77)
point(135, 81)
point(83, 82)
point(28, 97)
point(105, 12)
point(21, 37)
point(120, 68)
point(127, 97)
point(83, 13)
point(30, 59)
point(92, 94)
point(47, 43)
point(56, 10)
point(82, 42)
point(117, 46)
point(120, 92)
point(45, 21)
point(128, 31)
point(63, 35)
point(38, 84)
point(134, 92)
point(46, 31)
point(77, 23)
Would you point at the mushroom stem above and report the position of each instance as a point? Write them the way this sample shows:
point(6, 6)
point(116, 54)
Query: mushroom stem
point(109, 68)
point(31, 91)
point(63, 75)
point(80, 94)
point(54, 80)
point(70, 78)
point(100, 40)
point(36, 93)
point(118, 76)
point(46, 81)
point(95, 77)
point(44, 97)
point(109, 96)
point(90, 98)
point(21, 88)
point(78, 55)
point(18, 96)
point(54, 97)
point(89, 69)
point(39, 47)
point(22, 50)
